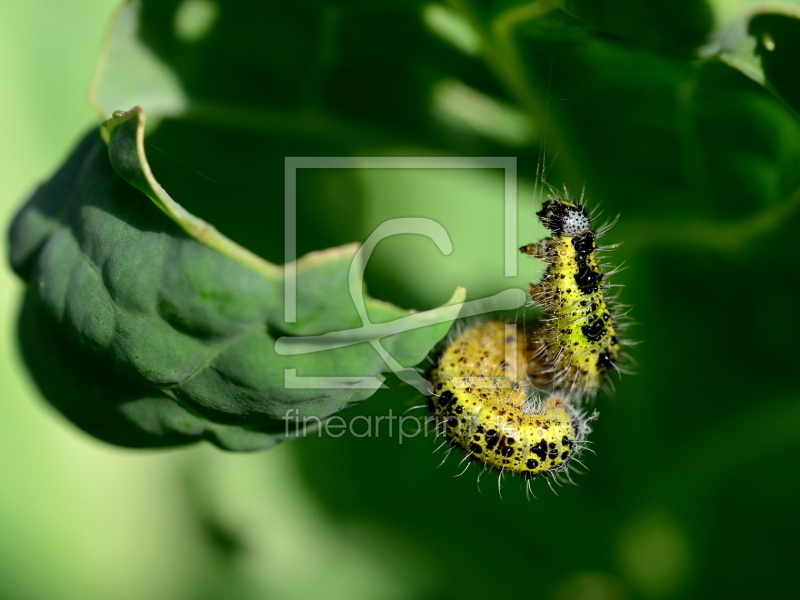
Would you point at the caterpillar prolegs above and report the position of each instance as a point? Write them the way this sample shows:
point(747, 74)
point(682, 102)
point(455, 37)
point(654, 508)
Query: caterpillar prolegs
point(510, 396)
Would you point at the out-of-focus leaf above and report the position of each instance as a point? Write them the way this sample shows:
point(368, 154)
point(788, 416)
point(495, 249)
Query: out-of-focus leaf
point(759, 37)
point(128, 73)
point(779, 44)
point(302, 62)
point(673, 28)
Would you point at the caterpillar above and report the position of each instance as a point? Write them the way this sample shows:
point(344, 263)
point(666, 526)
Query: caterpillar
point(489, 381)
point(579, 338)
point(484, 403)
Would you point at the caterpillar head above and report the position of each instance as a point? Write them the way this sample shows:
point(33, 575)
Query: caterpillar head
point(563, 218)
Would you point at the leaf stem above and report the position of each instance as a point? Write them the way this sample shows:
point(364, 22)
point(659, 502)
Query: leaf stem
point(505, 23)
point(500, 51)
point(708, 234)
point(501, 54)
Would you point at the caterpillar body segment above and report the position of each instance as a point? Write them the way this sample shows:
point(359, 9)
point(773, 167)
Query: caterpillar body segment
point(484, 404)
point(579, 337)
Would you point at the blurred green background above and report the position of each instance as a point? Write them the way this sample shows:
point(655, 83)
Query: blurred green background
point(694, 487)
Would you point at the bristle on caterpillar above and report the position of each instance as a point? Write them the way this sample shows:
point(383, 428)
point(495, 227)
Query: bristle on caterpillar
point(483, 403)
point(579, 337)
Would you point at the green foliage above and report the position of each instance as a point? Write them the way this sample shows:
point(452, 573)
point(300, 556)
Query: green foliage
point(126, 283)
point(681, 116)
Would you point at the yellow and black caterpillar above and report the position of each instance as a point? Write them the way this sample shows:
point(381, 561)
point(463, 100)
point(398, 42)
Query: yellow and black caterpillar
point(510, 396)
point(484, 403)
point(578, 338)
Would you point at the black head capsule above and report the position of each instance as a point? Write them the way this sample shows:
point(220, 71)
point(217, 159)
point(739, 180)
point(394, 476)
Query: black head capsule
point(563, 218)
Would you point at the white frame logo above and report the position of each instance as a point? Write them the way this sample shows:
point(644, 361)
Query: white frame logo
point(369, 332)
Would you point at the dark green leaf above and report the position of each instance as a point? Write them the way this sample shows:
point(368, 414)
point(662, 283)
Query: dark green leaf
point(192, 317)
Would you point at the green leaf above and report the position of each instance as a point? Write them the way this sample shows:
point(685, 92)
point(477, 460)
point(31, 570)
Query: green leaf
point(129, 73)
point(115, 408)
point(759, 38)
point(673, 28)
point(183, 316)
